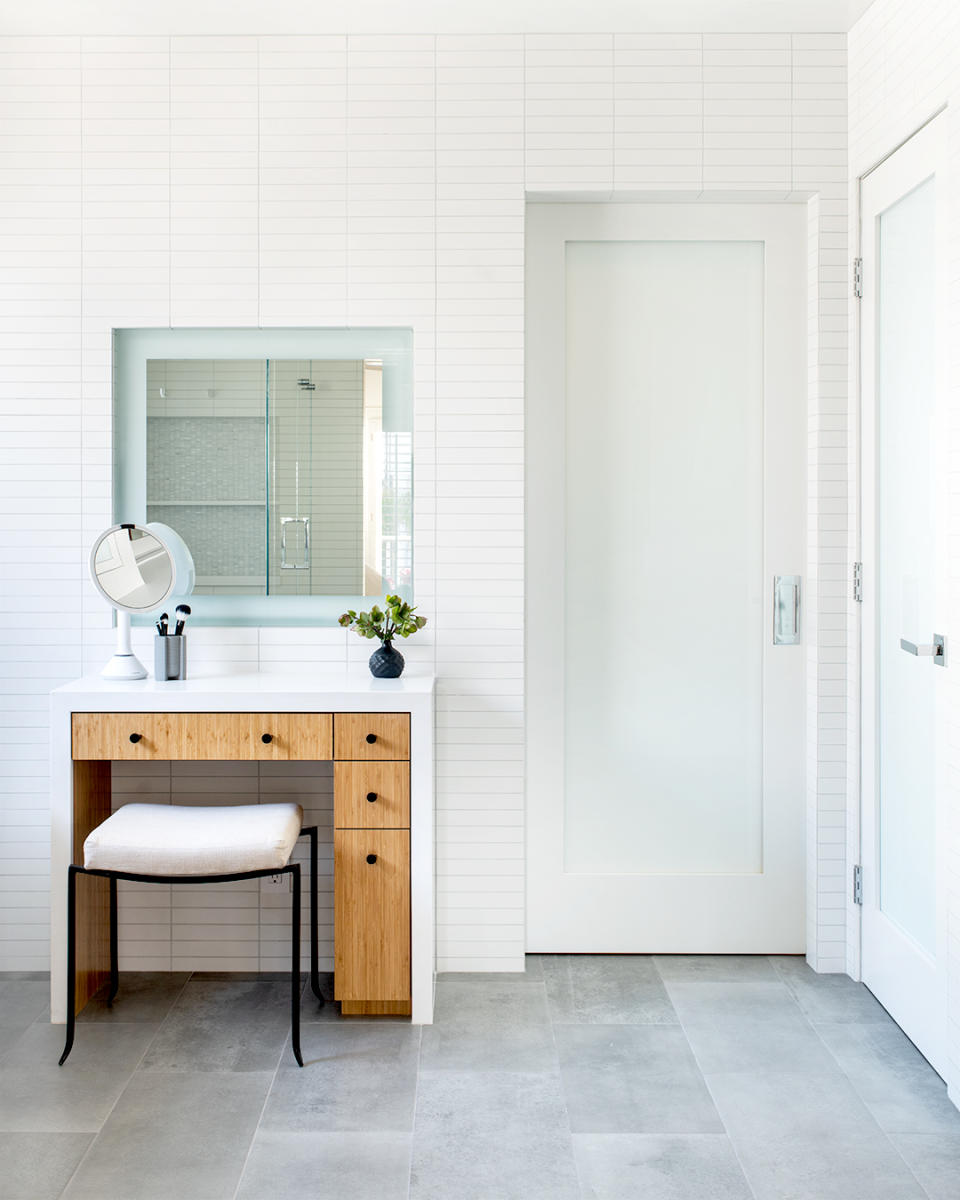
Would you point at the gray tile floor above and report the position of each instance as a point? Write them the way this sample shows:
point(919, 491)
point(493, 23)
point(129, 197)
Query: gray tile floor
point(613, 1078)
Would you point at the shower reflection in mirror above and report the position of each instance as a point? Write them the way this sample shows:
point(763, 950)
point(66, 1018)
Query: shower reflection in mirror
point(283, 476)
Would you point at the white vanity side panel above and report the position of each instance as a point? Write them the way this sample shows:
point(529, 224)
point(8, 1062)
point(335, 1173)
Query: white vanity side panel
point(375, 181)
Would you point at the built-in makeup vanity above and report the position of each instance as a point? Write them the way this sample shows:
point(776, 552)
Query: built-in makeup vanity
point(378, 735)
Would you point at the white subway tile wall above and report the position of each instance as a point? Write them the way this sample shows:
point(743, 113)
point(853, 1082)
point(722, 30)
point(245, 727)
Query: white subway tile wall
point(904, 66)
point(370, 180)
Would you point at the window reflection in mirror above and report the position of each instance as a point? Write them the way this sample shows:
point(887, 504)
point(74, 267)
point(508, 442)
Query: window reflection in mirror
point(282, 476)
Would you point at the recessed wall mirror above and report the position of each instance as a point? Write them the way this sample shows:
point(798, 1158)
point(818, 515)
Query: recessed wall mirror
point(279, 475)
point(288, 474)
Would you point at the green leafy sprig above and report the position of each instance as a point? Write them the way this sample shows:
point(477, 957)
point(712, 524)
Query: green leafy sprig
point(399, 620)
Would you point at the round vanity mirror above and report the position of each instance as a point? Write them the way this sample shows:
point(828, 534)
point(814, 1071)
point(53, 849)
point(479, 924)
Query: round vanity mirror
point(132, 569)
point(137, 568)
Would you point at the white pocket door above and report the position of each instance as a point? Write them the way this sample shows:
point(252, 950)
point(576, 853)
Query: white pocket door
point(666, 446)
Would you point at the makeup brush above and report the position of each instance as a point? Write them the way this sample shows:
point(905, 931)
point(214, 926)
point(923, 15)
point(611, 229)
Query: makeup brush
point(183, 611)
point(162, 624)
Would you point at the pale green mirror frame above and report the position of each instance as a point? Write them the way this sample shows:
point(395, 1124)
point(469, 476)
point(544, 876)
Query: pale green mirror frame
point(133, 348)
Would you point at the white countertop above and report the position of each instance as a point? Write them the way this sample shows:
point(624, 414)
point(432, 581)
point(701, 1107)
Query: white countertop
point(333, 690)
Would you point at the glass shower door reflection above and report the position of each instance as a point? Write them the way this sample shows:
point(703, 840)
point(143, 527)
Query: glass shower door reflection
point(206, 425)
point(316, 471)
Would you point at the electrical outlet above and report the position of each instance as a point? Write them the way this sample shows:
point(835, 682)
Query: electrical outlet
point(275, 883)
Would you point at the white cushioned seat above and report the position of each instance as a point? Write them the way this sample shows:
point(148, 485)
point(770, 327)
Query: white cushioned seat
point(172, 839)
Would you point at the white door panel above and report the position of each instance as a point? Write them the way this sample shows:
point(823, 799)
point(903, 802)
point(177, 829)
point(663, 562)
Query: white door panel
point(903, 935)
point(666, 442)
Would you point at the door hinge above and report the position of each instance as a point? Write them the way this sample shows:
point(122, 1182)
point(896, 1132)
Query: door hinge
point(858, 884)
point(858, 278)
point(858, 582)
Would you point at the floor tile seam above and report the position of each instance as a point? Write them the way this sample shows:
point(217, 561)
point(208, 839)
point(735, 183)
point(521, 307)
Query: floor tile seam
point(170, 1007)
point(563, 1091)
point(263, 1108)
point(782, 979)
point(123, 1090)
point(413, 1121)
point(550, 1015)
point(72, 1133)
point(883, 1132)
point(18, 1038)
point(706, 1083)
point(33, 1020)
point(795, 1003)
point(160, 1026)
point(120, 1095)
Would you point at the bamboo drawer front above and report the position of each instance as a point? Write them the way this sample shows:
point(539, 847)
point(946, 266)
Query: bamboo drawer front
point(371, 736)
point(267, 737)
point(371, 880)
point(371, 795)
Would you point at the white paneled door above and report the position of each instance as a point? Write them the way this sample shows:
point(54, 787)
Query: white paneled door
point(903, 828)
point(666, 442)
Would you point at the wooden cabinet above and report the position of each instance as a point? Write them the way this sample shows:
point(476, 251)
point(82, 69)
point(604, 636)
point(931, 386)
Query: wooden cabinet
point(371, 863)
point(371, 795)
point(238, 737)
point(260, 737)
point(376, 736)
point(107, 736)
point(371, 817)
point(371, 874)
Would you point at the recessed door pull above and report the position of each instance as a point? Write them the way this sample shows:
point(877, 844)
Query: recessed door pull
point(937, 650)
point(786, 610)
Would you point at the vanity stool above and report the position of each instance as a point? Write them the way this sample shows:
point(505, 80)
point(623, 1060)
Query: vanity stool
point(164, 843)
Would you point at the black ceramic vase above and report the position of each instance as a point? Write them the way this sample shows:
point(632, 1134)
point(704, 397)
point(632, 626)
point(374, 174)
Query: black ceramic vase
point(386, 663)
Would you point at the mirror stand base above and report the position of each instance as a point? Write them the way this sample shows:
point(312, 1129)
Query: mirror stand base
point(124, 666)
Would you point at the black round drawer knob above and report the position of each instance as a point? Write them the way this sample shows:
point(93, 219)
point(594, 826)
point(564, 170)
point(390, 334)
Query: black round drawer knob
point(135, 737)
point(371, 796)
point(266, 738)
point(371, 858)
point(371, 738)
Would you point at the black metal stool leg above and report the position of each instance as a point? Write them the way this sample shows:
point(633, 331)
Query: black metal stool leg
point(114, 972)
point(71, 961)
point(314, 918)
point(294, 868)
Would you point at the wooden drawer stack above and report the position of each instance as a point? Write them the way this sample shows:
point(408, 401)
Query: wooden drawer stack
point(371, 862)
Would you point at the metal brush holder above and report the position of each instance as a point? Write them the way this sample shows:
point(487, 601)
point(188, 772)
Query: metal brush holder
point(169, 657)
